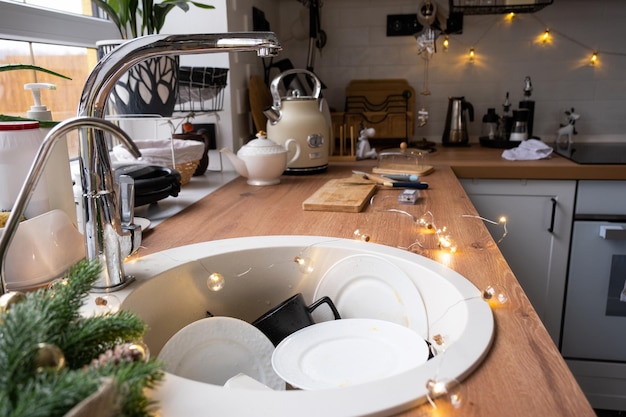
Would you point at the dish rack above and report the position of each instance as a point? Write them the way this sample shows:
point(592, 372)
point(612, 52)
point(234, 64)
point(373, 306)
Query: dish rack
point(201, 89)
point(182, 155)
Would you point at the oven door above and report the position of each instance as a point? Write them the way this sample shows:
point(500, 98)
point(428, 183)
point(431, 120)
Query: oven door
point(594, 325)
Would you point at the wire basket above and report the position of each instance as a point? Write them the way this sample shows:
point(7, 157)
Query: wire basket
point(201, 89)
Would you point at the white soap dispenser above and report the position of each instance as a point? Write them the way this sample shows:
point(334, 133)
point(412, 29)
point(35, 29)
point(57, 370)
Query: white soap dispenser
point(57, 171)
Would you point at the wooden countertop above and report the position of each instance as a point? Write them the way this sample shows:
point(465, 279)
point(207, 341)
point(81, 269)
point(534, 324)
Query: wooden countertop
point(523, 374)
point(475, 161)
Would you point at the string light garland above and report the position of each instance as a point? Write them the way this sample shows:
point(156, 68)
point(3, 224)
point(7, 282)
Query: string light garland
point(546, 37)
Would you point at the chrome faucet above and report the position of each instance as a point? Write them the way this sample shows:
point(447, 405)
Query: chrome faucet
point(123, 242)
point(101, 217)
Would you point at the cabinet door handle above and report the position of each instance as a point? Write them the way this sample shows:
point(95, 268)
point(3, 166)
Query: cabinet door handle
point(551, 228)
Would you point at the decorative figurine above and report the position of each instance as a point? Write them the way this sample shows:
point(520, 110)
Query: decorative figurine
point(569, 129)
point(363, 148)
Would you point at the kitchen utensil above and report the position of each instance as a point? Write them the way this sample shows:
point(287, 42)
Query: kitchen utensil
point(260, 99)
point(455, 131)
point(300, 118)
point(380, 180)
point(290, 316)
point(491, 125)
point(519, 130)
point(262, 160)
point(337, 195)
point(401, 177)
point(326, 355)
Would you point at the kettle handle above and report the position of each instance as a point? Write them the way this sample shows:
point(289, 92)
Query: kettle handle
point(470, 108)
point(297, 154)
point(317, 89)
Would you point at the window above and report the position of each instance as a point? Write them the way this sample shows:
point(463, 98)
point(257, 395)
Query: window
point(62, 40)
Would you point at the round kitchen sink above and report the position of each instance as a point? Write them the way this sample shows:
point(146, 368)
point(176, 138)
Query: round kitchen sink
point(177, 287)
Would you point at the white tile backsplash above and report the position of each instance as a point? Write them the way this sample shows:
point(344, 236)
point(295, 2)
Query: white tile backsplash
point(506, 52)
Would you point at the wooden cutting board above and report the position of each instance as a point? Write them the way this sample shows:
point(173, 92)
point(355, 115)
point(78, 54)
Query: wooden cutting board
point(343, 195)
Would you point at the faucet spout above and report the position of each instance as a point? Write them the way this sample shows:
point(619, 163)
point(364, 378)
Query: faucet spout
point(101, 218)
point(110, 68)
point(36, 172)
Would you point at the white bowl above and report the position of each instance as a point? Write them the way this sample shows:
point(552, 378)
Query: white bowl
point(43, 249)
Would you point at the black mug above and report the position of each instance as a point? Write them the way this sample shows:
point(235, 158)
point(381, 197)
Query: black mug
point(290, 316)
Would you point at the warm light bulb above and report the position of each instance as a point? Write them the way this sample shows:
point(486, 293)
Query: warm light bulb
point(358, 235)
point(445, 240)
point(510, 16)
point(106, 304)
point(449, 392)
point(304, 264)
point(215, 281)
point(546, 36)
point(471, 54)
point(495, 296)
point(446, 43)
point(594, 58)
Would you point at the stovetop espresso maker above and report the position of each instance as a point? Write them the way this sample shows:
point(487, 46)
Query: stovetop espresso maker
point(455, 131)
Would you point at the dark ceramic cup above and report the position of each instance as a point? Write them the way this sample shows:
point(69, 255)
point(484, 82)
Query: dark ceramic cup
point(290, 316)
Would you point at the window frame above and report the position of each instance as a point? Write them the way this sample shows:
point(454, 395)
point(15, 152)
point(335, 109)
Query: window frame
point(25, 22)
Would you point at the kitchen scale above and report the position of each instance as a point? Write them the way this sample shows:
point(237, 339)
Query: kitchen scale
point(609, 153)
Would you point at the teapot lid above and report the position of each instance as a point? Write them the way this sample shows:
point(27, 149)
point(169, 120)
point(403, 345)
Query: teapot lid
point(261, 146)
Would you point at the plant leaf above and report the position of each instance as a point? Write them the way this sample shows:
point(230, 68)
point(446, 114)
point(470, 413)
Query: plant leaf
point(13, 67)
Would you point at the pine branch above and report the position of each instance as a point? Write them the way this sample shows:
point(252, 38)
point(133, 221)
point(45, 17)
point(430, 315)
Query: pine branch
point(94, 335)
point(53, 316)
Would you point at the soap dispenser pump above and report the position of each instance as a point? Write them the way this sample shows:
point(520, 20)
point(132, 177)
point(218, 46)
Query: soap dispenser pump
point(57, 172)
point(38, 111)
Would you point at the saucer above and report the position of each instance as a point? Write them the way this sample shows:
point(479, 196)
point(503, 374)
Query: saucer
point(215, 349)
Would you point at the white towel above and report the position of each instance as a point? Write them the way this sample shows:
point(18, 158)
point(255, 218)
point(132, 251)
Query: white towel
point(528, 150)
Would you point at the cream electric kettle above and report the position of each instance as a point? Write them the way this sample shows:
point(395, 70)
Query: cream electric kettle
point(302, 119)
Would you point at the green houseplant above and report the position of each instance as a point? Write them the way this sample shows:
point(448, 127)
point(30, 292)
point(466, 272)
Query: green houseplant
point(151, 86)
point(136, 18)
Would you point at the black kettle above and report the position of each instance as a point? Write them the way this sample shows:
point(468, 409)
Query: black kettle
point(455, 131)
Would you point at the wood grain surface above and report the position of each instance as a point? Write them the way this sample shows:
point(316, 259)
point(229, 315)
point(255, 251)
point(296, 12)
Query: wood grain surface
point(523, 374)
point(342, 195)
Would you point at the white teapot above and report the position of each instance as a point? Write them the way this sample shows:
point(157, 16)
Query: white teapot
point(261, 160)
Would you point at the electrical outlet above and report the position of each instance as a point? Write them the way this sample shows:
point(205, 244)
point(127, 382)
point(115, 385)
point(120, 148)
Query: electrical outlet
point(402, 25)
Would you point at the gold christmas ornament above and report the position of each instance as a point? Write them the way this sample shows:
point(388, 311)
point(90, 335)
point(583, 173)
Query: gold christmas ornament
point(9, 299)
point(49, 357)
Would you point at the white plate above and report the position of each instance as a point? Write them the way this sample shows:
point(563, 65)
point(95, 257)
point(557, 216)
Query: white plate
point(366, 286)
point(215, 349)
point(143, 222)
point(346, 352)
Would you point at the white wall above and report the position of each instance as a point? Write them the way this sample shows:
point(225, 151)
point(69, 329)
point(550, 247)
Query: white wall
point(506, 52)
point(234, 122)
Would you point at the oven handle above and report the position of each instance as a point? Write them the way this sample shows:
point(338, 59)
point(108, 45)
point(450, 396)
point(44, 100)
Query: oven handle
point(612, 232)
point(551, 228)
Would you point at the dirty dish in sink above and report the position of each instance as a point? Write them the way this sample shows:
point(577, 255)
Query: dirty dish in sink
point(215, 349)
point(347, 352)
point(366, 286)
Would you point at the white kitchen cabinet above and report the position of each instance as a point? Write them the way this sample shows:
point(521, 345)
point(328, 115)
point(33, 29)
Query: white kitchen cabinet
point(539, 222)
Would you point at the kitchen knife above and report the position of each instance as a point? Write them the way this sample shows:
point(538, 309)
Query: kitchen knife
point(410, 184)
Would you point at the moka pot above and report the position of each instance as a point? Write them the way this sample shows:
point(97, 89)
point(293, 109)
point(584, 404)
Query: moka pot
point(455, 131)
